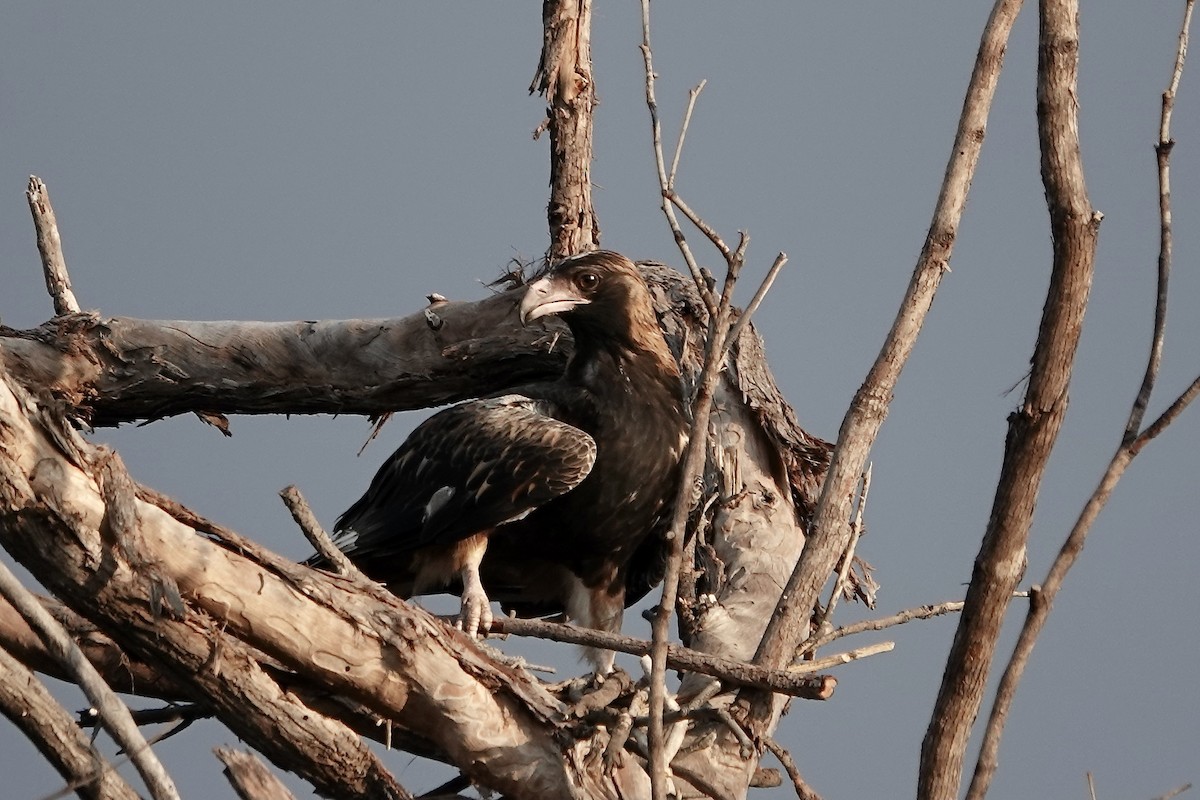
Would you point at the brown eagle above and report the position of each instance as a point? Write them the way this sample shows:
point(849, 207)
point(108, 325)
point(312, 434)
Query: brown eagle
point(553, 497)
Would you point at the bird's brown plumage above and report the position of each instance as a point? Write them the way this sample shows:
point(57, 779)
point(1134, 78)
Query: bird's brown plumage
point(552, 497)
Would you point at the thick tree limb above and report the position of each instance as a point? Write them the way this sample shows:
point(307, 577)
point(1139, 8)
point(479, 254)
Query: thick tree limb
point(495, 722)
point(1034, 428)
point(124, 370)
point(1132, 440)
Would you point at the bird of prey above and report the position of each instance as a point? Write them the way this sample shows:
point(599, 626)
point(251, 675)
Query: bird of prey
point(550, 498)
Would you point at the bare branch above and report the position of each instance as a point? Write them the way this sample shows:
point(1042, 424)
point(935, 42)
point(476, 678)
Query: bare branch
point(744, 319)
point(798, 681)
point(54, 264)
point(664, 182)
point(1178, 790)
point(843, 573)
point(1033, 429)
point(564, 76)
point(803, 790)
point(908, 615)
point(113, 712)
point(708, 230)
point(1042, 598)
point(829, 531)
point(1162, 151)
point(29, 705)
point(687, 120)
point(693, 463)
point(250, 777)
point(316, 535)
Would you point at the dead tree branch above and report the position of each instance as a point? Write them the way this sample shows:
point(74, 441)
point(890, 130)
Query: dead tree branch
point(250, 777)
point(829, 530)
point(49, 242)
point(667, 181)
point(1042, 597)
point(28, 704)
point(316, 535)
point(113, 714)
point(797, 681)
point(1033, 429)
point(564, 77)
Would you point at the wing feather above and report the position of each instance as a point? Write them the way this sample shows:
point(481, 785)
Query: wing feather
point(466, 469)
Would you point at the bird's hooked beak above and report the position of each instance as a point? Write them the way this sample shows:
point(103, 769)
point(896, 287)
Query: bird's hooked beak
point(547, 296)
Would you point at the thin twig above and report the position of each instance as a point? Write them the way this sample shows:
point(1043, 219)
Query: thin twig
point(803, 790)
point(54, 264)
point(829, 531)
point(702, 226)
point(796, 681)
point(1178, 790)
point(1162, 151)
point(857, 654)
point(664, 184)
point(316, 535)
point(756, 301)
point(114, 713)
point(843, 574)
point(908, 615)
point(1132, 442)
point(1091, 782)
point(687, 120)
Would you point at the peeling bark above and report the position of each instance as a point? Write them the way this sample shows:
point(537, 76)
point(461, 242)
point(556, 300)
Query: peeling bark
point(564, 78)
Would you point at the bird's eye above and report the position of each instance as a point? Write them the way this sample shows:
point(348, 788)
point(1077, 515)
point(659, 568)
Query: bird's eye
point(587, 281)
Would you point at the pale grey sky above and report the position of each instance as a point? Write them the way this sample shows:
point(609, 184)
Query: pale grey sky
point(307, 160)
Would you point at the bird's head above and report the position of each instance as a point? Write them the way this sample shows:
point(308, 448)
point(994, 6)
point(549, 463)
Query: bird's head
point(599, 287)
point(603, 298)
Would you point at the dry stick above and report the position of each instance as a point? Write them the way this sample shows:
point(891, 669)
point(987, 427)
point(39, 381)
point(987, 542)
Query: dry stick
point(1042, 598)
point(1091, 785)
point(694, 218)
point(908, 615)
point(843, 574)
point(1033, 429)
point(54, 265)
point(744, 320)
point(693, 463)
point(1178, 790)
point(316, 535)
point(250, 777)
point(687, 121)
point(803, 790)
point(1162, 151)
point(665, 185)
point(799, 681)
point(829, 532)
point(114, 713)
point(28, 704)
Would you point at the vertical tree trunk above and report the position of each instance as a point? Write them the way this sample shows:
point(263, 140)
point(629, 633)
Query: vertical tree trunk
point(564, 77)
